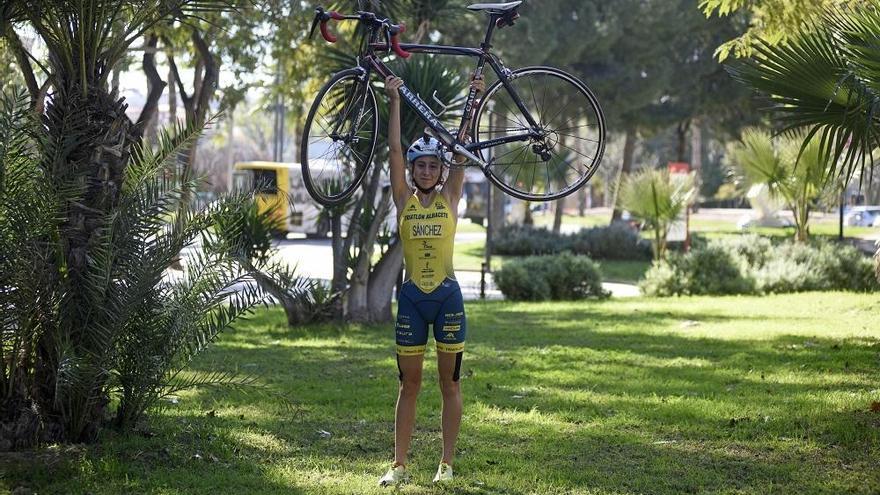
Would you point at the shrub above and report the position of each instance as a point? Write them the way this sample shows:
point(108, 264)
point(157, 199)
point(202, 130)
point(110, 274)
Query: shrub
point(558, 277)
point(752, 264)
point(714, 270)
point(525, 240)
point(665, 278)
point(822, 266)
point(613, 242)
point(709, 270)
point(518, 282)
point(755, 250)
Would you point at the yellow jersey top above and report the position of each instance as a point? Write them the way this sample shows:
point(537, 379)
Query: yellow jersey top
point(428, 235)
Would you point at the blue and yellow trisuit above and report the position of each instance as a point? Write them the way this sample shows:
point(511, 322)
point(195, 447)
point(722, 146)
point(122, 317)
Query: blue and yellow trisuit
point(430, 293)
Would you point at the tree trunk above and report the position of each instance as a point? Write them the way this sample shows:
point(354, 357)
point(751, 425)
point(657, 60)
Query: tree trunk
point(582, 199)
point(681, 145)
point(801, 218)
point(172, 98)
point(696, 158)
point(95, 166)
point(382, 281)
point(339, 266)
point(629, 147)
point(24, 63)
point(359, 309)
point(557, 215)
point(499, 218)
point(146, 122)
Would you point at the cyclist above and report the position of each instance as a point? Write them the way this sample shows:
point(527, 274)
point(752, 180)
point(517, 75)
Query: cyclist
point(426, 211)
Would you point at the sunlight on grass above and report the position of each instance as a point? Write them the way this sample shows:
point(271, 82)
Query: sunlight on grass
point(732, 395)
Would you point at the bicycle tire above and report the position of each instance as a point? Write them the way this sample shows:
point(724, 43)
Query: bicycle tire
point(350, 104)
point(570, 98)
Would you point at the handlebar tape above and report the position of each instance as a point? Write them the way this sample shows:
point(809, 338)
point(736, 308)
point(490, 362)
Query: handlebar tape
point(336, 16)
point(395, 43)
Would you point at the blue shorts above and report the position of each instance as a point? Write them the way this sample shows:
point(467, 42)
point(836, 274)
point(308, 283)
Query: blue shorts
point(443, 307)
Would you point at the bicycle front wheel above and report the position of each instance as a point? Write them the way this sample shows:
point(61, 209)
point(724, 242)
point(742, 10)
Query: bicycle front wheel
point(339, 138)
point(561, 129)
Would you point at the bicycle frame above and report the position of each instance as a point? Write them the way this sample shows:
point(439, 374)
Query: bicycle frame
point(370, 61)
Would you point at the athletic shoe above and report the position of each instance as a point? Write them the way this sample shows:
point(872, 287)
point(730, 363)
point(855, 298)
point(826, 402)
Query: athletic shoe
point(444, 473)
point(396, 475)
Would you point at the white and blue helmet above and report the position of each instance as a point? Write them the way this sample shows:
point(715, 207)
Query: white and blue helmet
point(426, 146)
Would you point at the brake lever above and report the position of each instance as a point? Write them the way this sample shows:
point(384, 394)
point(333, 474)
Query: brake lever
point(314, 25)
point(387, 32)
point(319, 13)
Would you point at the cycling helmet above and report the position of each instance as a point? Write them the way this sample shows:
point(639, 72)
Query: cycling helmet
point(426, 146)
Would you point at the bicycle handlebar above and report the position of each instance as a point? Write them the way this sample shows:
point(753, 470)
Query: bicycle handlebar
point(394, 30)
point(395, 43)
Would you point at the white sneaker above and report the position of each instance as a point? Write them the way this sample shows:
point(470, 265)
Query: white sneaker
point(444, 473)
point(394, 476)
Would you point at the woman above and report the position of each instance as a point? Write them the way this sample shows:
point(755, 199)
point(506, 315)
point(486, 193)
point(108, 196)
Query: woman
point(430, 295)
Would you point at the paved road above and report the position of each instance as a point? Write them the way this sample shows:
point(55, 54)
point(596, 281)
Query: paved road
point(313, 258)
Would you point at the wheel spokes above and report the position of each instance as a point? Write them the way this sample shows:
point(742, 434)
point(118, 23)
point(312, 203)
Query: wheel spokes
point(569, 147)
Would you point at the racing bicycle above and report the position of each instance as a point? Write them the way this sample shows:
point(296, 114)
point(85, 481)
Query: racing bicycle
point(537, 133)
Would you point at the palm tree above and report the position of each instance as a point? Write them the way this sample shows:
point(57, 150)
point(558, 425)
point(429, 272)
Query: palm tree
point(82, 228)
point(797, 176)
point(824, 82)
point(658, 200)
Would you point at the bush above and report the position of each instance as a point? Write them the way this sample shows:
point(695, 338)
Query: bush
point(613, 242)
point(755, 250)
point(823, 266)
point(525, 240)
point(557, 277)
point(710, 270)
point(753, 264)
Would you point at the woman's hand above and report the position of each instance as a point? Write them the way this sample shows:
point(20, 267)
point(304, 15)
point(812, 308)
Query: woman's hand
point(392, 83)
point(478, 83)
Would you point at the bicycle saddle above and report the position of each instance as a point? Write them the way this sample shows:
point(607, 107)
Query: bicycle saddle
point(494, 7)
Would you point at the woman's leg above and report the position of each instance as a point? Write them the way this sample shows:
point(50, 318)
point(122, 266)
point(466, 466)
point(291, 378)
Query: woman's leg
point(448, 364)
point(405, 413)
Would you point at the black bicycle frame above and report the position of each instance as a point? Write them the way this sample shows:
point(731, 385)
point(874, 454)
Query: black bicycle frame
point(371, 61)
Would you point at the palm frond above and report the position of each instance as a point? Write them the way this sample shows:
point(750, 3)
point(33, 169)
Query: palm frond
point(224, 379)
point(825, 82)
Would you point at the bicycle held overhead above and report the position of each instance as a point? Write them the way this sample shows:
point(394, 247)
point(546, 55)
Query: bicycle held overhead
point(538, 133)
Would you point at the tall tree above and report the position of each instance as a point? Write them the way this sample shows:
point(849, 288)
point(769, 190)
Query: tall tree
point(771, 21)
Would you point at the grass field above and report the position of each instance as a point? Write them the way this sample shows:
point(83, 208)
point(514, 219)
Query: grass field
point(730, 395)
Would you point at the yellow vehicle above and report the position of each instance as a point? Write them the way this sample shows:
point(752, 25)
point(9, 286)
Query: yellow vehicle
point(279, 189)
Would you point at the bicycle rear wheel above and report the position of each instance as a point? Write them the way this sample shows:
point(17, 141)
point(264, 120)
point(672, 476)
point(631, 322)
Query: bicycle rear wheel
point(339, 138)
point(566, 146)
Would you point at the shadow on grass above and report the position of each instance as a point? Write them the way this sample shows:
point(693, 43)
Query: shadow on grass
point(575, 399)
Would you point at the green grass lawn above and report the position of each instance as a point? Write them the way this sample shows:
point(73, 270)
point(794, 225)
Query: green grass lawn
point(730, 395)
point(818, 228)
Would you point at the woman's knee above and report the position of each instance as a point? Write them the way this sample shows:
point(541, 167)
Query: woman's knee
point(410, 383)
point(449, 387)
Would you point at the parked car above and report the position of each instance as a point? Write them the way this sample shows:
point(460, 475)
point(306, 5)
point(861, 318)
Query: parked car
point(862, 216)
